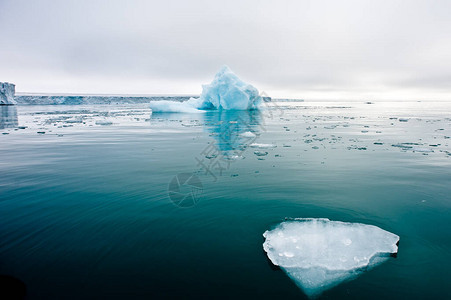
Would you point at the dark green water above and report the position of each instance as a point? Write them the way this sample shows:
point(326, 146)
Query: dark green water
point(85, 211)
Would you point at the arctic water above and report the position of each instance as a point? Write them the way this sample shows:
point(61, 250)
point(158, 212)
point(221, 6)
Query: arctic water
point(93, 205)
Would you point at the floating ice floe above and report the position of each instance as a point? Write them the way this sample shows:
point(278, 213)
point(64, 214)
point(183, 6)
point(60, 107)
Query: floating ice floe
point(260, 153)
point(248, 134)
point(318, 254)
point(262, 146)
point(226, 91)
point(423, 150)
point(104, 122)
point(189, 106)
point(415, 147)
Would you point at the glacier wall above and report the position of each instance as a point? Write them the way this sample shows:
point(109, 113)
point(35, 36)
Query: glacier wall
point(7, 92)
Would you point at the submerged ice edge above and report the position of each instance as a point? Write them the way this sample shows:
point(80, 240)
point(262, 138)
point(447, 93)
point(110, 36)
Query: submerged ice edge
point(318, 254)
point(227, 91)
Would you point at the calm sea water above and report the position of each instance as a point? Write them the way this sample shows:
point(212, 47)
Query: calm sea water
point(91, 206)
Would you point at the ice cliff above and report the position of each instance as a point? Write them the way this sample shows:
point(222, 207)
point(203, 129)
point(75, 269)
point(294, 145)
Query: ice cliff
point(7, 91)
point(225, 92)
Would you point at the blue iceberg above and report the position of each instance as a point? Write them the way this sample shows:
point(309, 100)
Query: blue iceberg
point(226, 92)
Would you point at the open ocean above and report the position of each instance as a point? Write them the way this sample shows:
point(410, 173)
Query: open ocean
point(92, 205)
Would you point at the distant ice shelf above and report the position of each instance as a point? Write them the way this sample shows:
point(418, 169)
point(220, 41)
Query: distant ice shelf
point(227, 91)
point(318, 254)
point(93, 99)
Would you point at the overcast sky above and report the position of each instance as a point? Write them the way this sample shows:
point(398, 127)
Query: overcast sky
point(299, 49)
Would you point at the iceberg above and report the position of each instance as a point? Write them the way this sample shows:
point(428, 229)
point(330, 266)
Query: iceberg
point(318, 254)
point(226, 92)
point(7, 91)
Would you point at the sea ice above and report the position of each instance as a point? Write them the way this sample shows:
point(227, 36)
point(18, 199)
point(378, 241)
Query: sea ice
point(248, 134)
point(262, 146)
point(261, 153)
point(424, 150)
point(318, 254)
point(104, 122)
point(189, 106)
point(226, 91)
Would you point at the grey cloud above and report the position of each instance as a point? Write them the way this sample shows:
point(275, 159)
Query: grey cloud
point(283, 45)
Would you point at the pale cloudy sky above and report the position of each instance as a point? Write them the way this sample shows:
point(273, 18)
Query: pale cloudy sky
point(298, 49)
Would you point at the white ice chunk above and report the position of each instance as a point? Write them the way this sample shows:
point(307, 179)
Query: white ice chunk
point(319, 254)
point(190, 106)
point(226, 91)
point(248, 134)
point(262, 146)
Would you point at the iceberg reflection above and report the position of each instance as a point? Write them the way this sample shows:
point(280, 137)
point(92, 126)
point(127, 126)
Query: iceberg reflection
point(8, 116)
point(233, 130)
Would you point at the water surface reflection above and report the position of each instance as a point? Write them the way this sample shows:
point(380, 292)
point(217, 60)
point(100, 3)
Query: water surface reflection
point(234, 131)
point(8, 116)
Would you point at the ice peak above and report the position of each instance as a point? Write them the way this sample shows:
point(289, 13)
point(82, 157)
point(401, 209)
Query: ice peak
point(225, 69)
point(228, 91)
